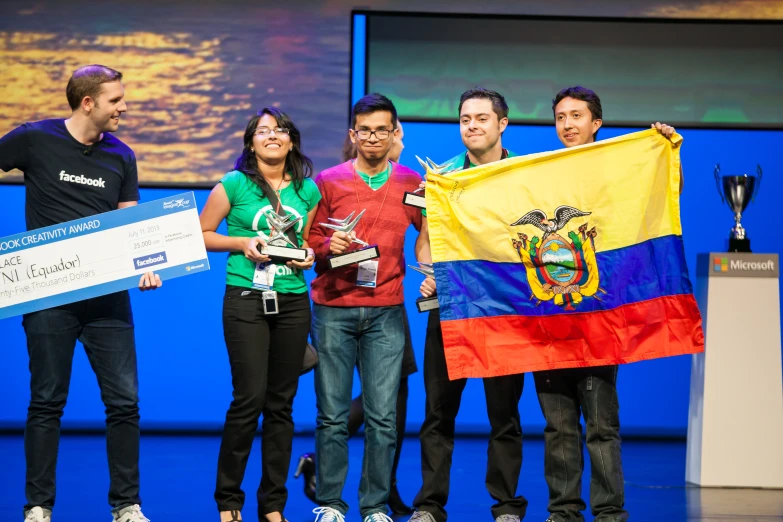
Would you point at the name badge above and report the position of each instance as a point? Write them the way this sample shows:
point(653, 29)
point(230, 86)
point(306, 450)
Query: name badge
point(367, 275)
point(264, 276)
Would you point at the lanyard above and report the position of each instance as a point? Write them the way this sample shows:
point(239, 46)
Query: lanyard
point(277, 191)
point(356, 190)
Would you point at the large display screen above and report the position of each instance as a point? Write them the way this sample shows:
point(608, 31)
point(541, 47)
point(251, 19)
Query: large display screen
point(701, 73)
point(194, 74)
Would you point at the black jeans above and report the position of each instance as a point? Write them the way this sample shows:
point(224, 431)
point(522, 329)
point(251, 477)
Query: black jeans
point(504, 454)
point(265, 352)
point(563, 395)
point(104, 325)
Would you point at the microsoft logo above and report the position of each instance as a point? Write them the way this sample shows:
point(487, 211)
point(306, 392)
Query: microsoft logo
point(735, 264)
point(720, 264)
point(726, 264)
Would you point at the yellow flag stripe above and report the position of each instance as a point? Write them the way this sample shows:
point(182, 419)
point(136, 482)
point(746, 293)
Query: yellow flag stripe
point(629, 184)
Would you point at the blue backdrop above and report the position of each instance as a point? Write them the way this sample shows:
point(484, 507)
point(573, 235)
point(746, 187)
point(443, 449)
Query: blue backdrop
point(183, 367)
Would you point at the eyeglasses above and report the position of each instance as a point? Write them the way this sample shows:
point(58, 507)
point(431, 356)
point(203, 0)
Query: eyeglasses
point(364, 134)
point(266, 131)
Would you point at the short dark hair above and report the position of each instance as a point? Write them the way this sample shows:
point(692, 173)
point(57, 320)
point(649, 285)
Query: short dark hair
point(86, 81)
point(499, 105)
point(374, 103)
point(581, 93)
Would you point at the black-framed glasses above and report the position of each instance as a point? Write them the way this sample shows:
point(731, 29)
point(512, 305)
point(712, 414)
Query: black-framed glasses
point(364, 134)
point(266, 131)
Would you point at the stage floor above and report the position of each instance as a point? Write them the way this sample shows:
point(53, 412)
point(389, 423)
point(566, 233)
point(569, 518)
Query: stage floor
point(178, 477)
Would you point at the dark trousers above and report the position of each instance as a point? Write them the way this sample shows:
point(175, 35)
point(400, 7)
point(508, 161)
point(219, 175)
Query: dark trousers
point(104, 325)
point(563, 395)
point(265, 352)
point(504, 454)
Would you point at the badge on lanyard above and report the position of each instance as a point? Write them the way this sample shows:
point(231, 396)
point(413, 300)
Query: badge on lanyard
point(264, 276)
point(367, 275)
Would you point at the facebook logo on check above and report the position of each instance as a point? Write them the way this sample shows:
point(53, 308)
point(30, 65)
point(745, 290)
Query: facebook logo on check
point(149, 260)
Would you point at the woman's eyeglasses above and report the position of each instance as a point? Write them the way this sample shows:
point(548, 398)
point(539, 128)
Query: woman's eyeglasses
point(266, 131)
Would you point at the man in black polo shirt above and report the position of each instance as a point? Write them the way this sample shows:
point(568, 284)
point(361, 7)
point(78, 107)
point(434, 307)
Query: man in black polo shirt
point(483, 118)
point(72, 169)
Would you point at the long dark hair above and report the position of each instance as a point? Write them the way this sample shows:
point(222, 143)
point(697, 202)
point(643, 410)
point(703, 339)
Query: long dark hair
point(297, 164)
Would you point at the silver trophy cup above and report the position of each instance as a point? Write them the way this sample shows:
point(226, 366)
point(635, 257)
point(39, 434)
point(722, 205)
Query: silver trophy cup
point(737, 192)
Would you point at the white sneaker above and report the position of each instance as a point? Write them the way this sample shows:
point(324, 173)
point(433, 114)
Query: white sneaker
point(507, 518)
point(130, 514)
point(327, 514)
point(421, 516)
point(38, 514)
point(377, 517)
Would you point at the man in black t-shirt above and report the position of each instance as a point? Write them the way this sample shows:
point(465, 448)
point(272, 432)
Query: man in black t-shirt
point(72, 169)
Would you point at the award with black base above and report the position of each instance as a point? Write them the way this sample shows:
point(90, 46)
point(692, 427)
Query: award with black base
point(280, 246)
point(416, 198)
point(425, 304)
point(357, 256)
point(737, 192)
point(413, 199)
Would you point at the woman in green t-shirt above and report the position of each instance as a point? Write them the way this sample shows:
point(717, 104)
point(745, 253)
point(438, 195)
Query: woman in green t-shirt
point(266, 308)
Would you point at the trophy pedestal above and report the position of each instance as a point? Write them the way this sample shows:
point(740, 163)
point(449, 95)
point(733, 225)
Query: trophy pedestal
point(281, 253)
point(357, 256)
point(425, 304)
point(414, 200)
point(739, 245)
point(736, 400)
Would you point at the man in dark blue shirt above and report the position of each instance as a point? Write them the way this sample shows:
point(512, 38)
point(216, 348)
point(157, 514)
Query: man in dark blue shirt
point(75, 168)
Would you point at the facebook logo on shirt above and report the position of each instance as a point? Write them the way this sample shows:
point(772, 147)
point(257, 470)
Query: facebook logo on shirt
point(81, 180)
point(149, 260)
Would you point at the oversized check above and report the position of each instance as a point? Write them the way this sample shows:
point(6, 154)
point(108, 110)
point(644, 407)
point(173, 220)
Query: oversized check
point(100, 254)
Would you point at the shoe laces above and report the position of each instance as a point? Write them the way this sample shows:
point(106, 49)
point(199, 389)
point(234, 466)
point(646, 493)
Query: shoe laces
point(134, 514)
point(507, 518)
point(36, 515)
point(378, 517)
point(421, 516)
point(328, 514)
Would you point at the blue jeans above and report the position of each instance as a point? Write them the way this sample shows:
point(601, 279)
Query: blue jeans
point(104, 325)
point(376, 337)
point(564, 396)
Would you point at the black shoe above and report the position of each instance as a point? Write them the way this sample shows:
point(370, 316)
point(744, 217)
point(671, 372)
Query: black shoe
point(306, 467)
point(397, 506)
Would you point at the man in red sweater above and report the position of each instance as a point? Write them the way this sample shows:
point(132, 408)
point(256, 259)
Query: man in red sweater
point(357, 310)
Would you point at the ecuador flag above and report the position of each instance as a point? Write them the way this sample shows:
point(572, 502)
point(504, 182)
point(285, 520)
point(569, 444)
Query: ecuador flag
point(563, 259)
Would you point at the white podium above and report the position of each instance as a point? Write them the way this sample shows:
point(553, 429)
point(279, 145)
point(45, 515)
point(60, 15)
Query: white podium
point(735, 422)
